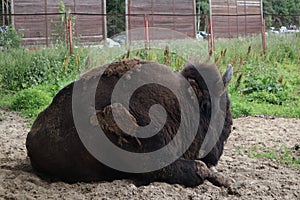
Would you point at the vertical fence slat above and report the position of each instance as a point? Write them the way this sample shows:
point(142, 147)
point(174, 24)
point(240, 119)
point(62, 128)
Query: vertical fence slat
point(46, 22)
point(264, 39)
point(3, 16)
point(146, 22)
point(104, 19)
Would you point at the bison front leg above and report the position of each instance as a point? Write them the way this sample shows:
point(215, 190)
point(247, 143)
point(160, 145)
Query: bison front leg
point(194, 172)
point(219, 179)
point(190, 173)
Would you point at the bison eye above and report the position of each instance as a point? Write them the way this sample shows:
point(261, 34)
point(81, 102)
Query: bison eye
point(190, 79)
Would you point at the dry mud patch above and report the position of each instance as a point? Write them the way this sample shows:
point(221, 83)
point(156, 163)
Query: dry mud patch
point(256, 178)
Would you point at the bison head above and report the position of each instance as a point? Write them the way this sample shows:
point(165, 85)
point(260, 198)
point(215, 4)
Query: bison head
point(215, 115)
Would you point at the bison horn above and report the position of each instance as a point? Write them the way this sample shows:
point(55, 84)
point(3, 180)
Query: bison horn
point(228, 75)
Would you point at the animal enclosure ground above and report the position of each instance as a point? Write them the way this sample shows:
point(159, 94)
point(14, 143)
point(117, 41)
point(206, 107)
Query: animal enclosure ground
point(256, 178)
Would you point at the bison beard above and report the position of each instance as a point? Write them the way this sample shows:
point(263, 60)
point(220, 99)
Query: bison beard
point(55, 149)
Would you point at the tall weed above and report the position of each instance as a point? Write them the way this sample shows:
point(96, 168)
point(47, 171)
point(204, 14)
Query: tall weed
point(262, 84)
point(32, 68)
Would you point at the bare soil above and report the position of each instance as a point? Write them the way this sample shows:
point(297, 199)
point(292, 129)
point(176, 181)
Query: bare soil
point(256, 178)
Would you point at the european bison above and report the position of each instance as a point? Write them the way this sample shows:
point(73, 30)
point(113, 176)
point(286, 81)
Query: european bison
point(55, 146)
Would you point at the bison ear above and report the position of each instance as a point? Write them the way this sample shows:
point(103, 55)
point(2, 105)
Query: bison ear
point(228, 75)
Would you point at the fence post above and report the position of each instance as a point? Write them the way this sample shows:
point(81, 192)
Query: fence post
point(46, 22)
point(211, 36)
point(211, 42)
point(264, 40)
point(146, 21)
point(70, 36)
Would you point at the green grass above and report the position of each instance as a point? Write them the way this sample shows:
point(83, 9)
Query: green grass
point(262, 83)
point(30, 79)
point(280, 155)
point(240, 107)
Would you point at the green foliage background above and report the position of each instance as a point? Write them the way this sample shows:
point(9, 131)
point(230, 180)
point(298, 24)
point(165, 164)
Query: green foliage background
point(263, 83)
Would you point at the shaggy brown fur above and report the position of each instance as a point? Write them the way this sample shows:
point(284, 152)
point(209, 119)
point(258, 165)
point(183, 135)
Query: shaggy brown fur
point(54, 146)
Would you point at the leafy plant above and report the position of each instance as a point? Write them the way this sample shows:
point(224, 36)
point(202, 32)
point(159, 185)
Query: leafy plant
point(30, 101)
point(260, 78)
point(10, 38)
point(60, 25)
point(36, 68)
point(240, 109)
point(1, 87)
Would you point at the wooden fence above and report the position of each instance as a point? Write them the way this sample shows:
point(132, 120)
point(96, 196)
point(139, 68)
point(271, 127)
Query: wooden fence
point(42, 22)
point(234, 18)
point(175, 15)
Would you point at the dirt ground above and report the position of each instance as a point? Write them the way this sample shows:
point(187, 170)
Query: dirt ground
point(256, 178)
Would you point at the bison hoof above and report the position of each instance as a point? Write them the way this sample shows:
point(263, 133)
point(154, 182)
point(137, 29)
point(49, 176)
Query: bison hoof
point(219, 179)
point(202, 170)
